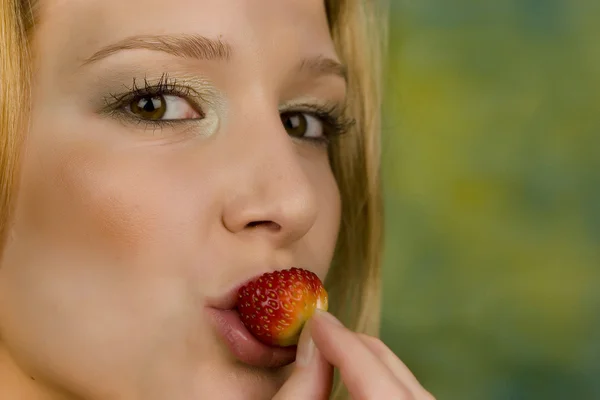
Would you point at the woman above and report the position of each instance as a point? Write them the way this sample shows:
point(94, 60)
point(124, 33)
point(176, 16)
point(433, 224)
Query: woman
point(156, 155)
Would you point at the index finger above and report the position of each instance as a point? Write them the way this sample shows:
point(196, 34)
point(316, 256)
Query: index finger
point(312, 376)
point(365, 376)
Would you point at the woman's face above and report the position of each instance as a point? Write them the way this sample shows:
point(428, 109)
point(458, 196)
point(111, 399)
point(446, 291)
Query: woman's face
point(176, 150)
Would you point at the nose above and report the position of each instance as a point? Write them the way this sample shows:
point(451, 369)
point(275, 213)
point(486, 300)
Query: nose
point(271, 195)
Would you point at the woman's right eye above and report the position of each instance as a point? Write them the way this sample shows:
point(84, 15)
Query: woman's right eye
point(159, 107)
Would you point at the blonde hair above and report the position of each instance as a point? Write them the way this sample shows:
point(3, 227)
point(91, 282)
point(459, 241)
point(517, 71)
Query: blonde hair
point(15, 74)
point(357, 28)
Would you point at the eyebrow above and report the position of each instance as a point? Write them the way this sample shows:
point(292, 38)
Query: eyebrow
point(321, 65)
point(185, 46)
point(203, 48)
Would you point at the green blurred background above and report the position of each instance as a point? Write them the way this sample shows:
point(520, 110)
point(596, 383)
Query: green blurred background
point(491, 168)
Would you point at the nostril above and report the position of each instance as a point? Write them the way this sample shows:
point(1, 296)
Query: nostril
point(266, 224)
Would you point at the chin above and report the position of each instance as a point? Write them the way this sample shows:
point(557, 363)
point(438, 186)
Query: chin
point(242, 382)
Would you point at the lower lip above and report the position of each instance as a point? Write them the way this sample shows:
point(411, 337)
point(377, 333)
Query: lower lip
point(245, 347)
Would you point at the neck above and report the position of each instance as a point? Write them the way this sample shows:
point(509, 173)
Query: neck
point(16, 383)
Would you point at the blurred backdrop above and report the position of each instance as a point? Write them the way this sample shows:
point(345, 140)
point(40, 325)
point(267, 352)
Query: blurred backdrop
point(491, 168)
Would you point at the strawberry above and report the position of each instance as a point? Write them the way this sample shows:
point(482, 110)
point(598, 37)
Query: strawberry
point(275, 306)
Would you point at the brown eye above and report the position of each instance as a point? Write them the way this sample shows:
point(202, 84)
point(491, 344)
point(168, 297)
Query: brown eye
point(295, 123)
point(301, 124)
point(158, 107)
point(149, 107)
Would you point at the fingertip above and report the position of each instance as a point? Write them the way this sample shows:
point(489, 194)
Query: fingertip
point(325, 328)
point(327, 318)
point(306, 346)
point(312, 376)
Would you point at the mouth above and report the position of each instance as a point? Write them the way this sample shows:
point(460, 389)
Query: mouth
point(243, 345)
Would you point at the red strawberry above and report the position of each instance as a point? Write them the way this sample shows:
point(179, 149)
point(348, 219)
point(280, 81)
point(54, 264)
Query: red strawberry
point(275, 306)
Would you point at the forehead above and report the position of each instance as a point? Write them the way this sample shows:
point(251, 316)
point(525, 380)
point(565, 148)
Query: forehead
point(77, 28)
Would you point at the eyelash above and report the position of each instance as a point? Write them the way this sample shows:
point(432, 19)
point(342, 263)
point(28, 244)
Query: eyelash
point(165, 86)
point(333, 116)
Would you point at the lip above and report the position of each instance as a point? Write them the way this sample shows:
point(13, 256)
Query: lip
point(228, 300)
point(243, 345)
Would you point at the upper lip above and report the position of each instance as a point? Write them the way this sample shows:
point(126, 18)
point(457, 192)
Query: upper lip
point(227, 301)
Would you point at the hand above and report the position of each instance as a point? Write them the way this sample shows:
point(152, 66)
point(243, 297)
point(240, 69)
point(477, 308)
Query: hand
point(368, 368)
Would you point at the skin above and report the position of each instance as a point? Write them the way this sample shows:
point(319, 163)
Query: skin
point(122, 231)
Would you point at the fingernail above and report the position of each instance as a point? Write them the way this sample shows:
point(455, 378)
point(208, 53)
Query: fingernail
point(328, 317)
point(306, 347)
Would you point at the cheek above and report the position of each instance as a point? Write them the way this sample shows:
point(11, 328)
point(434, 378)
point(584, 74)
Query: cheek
point(323, 236)
point(114, 203)
point(126, 212)
point(96, 256)
point(77, 198)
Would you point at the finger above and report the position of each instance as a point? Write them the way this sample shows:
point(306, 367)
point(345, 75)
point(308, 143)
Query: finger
point(398, 368)
point(312, 375)
point(365, 376)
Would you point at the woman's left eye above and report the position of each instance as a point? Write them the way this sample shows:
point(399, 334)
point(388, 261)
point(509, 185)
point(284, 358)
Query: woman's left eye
point(161, 107)
point(302, 125)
